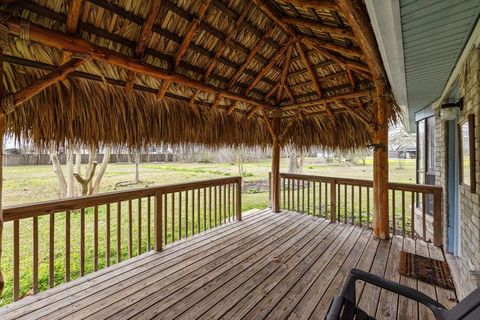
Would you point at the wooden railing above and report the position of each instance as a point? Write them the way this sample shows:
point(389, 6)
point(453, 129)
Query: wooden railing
point(414, 209)
point(56, 241)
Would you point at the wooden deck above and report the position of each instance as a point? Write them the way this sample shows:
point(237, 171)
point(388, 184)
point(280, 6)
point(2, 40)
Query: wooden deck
point(272, 266)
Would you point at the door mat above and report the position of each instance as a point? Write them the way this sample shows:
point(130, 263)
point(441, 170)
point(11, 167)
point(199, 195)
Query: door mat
point(432, 271)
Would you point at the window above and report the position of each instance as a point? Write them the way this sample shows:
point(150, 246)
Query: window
point(467, 152)
point(426, 158)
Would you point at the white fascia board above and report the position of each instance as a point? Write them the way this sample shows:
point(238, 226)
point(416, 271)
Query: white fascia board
point(386, 23)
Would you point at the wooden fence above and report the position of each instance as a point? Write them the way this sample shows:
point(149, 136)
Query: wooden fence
point(414, 209)
point(62, 237)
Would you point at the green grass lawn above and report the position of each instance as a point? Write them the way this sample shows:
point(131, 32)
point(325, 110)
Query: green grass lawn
point(26, 184)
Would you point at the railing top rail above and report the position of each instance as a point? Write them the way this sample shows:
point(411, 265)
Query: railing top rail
point(52, 206)
point(423, 188)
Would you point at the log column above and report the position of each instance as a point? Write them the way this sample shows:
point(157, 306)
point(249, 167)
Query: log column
point(3, 45)
point(276, 147)
point(380, 164)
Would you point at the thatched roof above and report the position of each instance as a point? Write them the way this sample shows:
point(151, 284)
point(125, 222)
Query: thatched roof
point(234, 65)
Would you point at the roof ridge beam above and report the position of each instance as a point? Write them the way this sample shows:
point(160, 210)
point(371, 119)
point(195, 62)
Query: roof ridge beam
point(325, 100)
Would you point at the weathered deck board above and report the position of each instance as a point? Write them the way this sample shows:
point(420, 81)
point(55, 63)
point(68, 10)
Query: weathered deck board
point(274, 266)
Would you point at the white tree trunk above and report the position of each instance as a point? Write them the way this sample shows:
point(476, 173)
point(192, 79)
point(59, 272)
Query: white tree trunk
point(137, 169)
point(293, 164)
point(101, 172)
point(57, 169)
point(69, 173)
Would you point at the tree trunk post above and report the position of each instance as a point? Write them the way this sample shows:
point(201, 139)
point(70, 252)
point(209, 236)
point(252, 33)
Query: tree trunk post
point(3, 125)
point(276, 165)
point(381, 228)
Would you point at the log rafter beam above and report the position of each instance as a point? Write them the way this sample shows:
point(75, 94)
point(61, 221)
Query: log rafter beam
point(325, 100)
point(60, 40)
point(46, 81)
point(312, 73)
point(71, 25)
point(344, 32)
point(145, 35)
point(315, 4)
point(284, 75)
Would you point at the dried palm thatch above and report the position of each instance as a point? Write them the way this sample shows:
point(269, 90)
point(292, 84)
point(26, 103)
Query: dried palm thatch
point(242, 67)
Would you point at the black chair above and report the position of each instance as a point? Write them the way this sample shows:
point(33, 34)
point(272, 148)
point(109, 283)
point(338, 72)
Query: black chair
point(344, 307)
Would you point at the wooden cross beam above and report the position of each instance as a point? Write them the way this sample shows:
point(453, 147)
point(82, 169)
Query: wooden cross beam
point(313, 74)
point(270, 12)
point(343, 50)
point(316, 4)
point(324, 101)
point(351, 78)
point(41, 84)
point(67, 42)
point(143, 39)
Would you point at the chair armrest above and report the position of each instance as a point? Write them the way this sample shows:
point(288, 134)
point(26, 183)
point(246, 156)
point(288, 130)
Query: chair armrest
point(392, 286)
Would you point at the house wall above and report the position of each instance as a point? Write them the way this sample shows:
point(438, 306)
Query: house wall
point(468, 258)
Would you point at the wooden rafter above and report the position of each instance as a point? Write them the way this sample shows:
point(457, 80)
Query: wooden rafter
point(317, 4)
point(143, 39)
point(356, 113)
point(289, 94)
point(283, 76)
point(41, 84)
point(268, 67)
point(251, 56)
point(324, 101)
point(344, 32)
point(182, 50)
point(313, 74)
point(270, 12)
point(351, 78)
point(344, 50)
point(221, 48)
point(71, 25)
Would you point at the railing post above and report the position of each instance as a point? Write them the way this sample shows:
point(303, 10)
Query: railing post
point(437, 218)
point(333, 203)
point(158, 222)
point(238, 204)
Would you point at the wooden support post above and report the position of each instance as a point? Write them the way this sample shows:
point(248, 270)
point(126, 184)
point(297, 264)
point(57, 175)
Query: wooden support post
point(437, 218)
point(238, 209)
point(276, 125)
point(2, 132)
point(158, 222)
point(380, 165)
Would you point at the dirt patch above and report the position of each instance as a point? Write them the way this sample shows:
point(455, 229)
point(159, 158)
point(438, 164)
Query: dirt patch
point(256, 186)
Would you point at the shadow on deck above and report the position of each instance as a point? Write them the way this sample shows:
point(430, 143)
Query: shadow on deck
point(272, 266)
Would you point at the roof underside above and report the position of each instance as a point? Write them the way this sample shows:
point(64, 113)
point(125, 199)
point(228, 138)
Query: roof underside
point(308, 65)
point(434, 35)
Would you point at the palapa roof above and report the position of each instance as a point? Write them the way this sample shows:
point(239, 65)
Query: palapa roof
point(213, 72)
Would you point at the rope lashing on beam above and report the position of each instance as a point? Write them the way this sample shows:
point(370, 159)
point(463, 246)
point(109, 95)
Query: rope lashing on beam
point(8, 103)
point(24, 30)
point(81, 56)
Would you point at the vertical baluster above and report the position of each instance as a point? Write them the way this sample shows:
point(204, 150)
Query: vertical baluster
point(284, 204)
point(204, 209)
point(303, 196)
point(326, 200)
point(215, 189)
point(313, 196)
point(139, 231)
point(345, 196)
point(107, 231)
point(158, 220)
point(320, 199)
point(210, 207)
point(403, 214)
point(413, 216)
point(333, 204)
point(424, 215)
point(95, 238)
point(339, 214)
point(308, 197)
point(82, 242)
point(298, 195)
point(393, 213)
point(149, 213)
point(67, 248)
point(130, 228)
point(220, 204)
point(16, 260)
point(35, 254)
point(293, 194)
point(173, 217)
point(229, 204)
point(368, 206)
point(165, 218)
point(225, 203)
point(186, 213)
point(51, 258)
point(288, 194)
point(352, 214)
point(193, 211)
point(360, 205)
point(198, 210)
point(180, 236)
point(119, 231)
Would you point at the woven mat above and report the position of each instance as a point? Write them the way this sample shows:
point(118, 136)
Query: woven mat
point(432, 271)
